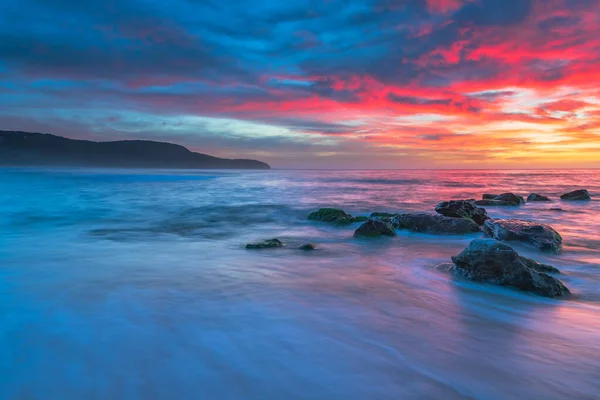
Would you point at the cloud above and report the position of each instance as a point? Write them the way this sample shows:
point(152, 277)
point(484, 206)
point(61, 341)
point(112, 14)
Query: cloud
point(407, 79)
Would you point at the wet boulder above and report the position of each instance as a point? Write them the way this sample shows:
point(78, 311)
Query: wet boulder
point(537, 197)
point(329, 215)
point(434, 223)
point(492, 202)
point(462, 209)
point(489, 261)
point(339, 217)
point(307, 247)
point(382, 215)
point(374, 228)
point(488, 196)
point(510, 197)
point(539, 235)
point(576, 195)
point(265, 244)
point(539, 267)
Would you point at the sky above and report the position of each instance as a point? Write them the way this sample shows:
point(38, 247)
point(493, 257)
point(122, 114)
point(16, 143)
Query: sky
point(313, 84)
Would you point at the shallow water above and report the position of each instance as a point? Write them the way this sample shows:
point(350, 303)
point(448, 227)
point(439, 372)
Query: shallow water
point(136, 285)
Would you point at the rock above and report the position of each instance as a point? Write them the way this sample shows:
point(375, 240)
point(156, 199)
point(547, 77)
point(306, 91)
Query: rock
point(489, 261)
point(488, 196)
point(329, 215)
point(433, 223)
point(462, 209)
point(339, 217)
point(541, 236)
point(307, 247)
point(537, 197)
point(576, 195)
point(510, 197)
point(495, 203)
point(539, 267)
point(374, 228)
point(382, 215)
point(265, 244)
point(556, 209)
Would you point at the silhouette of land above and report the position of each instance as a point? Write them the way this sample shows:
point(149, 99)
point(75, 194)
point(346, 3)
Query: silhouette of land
point(37, 149)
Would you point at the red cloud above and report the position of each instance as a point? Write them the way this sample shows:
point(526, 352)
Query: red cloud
point(444, 6)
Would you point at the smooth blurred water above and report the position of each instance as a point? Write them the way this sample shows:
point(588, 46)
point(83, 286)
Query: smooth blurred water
point(136, 285)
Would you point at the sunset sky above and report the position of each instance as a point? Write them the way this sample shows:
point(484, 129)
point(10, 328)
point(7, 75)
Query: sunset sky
point(313, 84)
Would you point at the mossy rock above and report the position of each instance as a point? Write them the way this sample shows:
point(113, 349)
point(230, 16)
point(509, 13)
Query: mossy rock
point(329, 215)
point(374, 228)
point(337, 216)
point(265, 244)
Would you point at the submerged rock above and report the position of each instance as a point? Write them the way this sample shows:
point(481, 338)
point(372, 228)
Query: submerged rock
point(307, 247)
point(537, 197)
point(488, 196)
point(510, 197)
point(374, 228)
point(434, 223)
point(489, 261)
point(495, 203)
point(339, 217)
point(541, 236)
point(462, 209)
point(576, 195)
point(265, 244)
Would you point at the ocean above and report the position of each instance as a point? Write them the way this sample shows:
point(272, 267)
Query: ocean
point(135, 284)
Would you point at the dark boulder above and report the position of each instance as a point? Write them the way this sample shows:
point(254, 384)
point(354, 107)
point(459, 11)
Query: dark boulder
point(307, 247)
point(488, 196)
point(383, 216)
point(489, 261)
point(541, 236)
point(329, 215)
point(339, 217)
point(434, 223)
point(462, 209)
point(537, 197)
point(501, 203)
point(539, 267)
point(510, 197)
point(374, 228)
point(576, 195)
point(265, 244)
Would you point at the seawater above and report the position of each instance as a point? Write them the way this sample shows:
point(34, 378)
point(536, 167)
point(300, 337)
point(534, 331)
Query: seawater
point(135, 284)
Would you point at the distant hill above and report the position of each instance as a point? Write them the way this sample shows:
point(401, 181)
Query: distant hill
point(37, 149)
